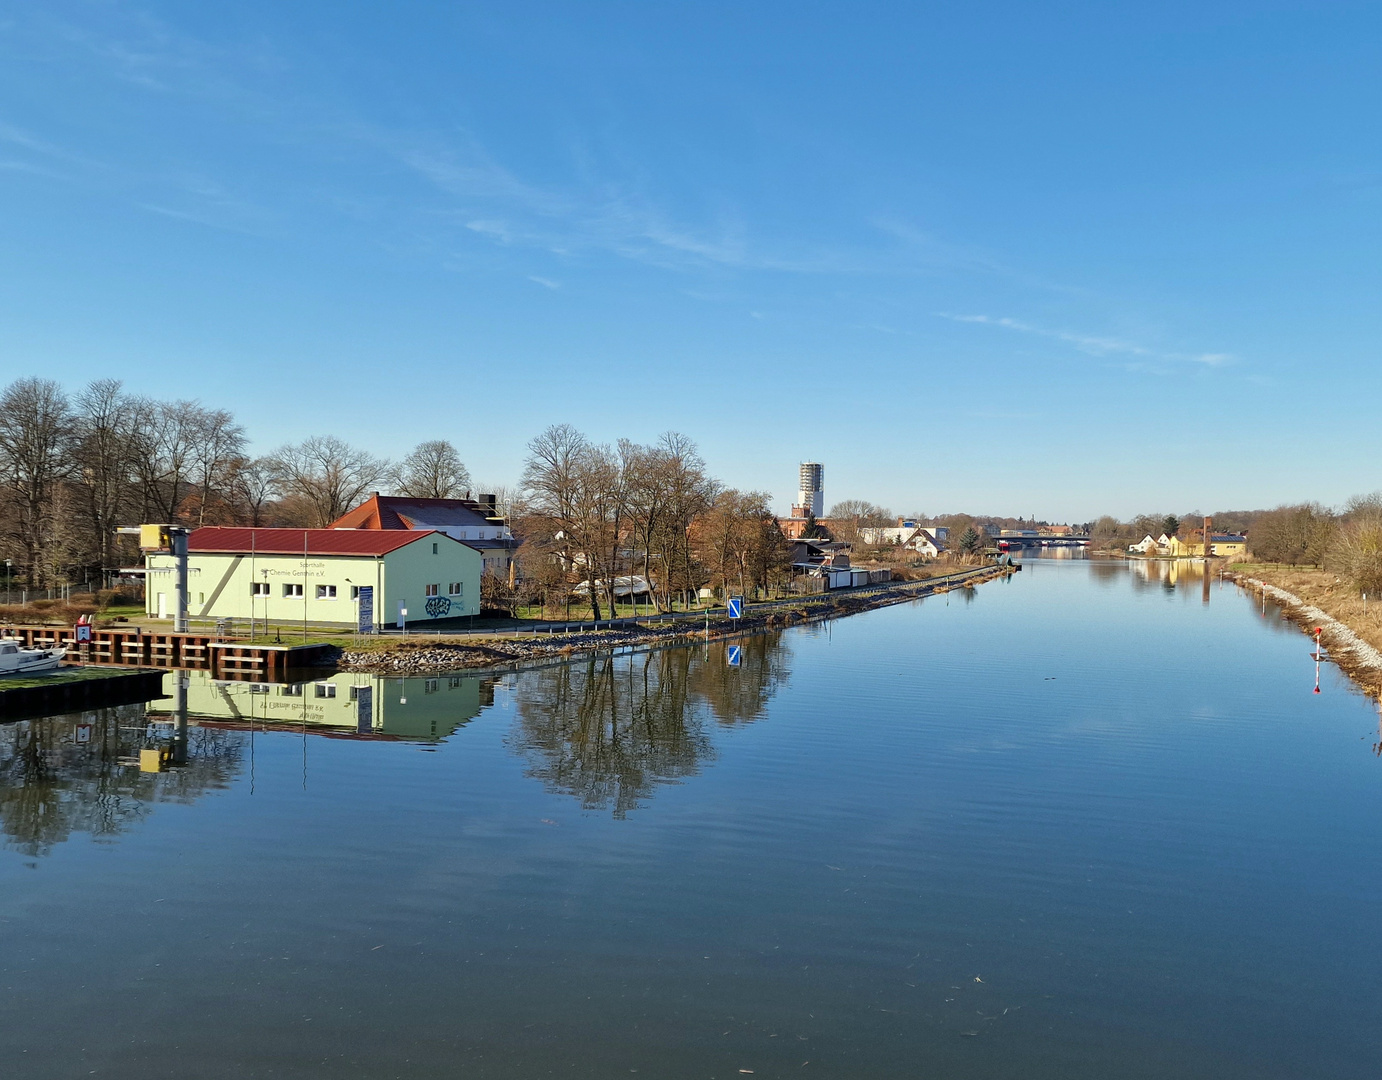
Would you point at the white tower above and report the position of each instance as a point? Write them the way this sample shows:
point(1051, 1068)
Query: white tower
point(811, 496)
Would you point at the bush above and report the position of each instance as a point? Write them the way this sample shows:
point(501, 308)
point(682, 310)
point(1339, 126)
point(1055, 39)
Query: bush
point(126, 597)
point(44, 611)
point(1357, 550)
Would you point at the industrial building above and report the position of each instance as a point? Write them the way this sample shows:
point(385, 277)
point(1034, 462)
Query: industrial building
point(284, 576)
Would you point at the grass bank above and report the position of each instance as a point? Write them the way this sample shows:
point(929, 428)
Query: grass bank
point(1312, 597)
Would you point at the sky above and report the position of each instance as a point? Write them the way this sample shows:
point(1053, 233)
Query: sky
point(1051, 260)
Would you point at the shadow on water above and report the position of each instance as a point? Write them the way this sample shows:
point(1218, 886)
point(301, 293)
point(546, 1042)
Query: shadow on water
point(609, 731)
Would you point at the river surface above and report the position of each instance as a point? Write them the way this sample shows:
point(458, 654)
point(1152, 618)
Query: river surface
point(1089, 822)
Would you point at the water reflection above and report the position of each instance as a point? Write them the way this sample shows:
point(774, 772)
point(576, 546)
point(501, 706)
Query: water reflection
point(81, 773)
point(609, 731)
point(84, 773)
point(344, 703)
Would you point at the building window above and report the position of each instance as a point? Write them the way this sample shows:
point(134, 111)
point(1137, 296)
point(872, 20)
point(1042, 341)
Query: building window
point(456, 588)
point(290, 690)
point(324, 689)
point(260, 688)
point(430, 686)
point(433, 590)
point(201, 598)
point(259, 588)
point(292, 590)
point(434, 549)
point(326, 592)
point(453, 683)
point(355, 592)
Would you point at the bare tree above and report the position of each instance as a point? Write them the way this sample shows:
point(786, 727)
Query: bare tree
point(574, 487)
point(220, 442)
point(36, 436)
point(432, 471)
point(251, 486)
point(851, 515)
point(105, 431)
point(327, 474)
point(167, 437)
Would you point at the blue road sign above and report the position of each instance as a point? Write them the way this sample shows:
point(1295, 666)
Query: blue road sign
point(736, 606)
point(366, 622)
point(734, 655)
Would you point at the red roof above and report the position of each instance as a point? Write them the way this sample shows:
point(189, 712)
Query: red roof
point(293, 541)
point(402, 512)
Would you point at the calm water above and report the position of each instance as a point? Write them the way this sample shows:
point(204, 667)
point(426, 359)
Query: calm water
point(1078, 824)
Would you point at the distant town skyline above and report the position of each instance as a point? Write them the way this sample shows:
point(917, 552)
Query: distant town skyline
point(984, 260)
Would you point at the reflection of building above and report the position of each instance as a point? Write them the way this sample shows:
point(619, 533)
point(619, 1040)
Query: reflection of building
point(476, 522)
point(315, 575)
point(358, 703)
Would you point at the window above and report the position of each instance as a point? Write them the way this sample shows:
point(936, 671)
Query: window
point(260, 688)
point(290, 690)
point(326, 592)
point(201, 598)
point(259, 588)
point(355, 592)
point(324, 689)
point(433, 590)
point(453, 683)
point(434, 549)
point(430, 686)
point(292, 590)
point(456, 588)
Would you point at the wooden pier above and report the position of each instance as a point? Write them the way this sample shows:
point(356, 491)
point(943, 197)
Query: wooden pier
point(159, 648)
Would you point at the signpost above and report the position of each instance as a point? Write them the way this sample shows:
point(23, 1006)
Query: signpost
point(365, 616)
point(736, 606)
point(734, 656)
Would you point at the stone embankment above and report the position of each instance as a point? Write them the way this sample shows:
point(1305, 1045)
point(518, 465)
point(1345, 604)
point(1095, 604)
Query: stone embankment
point(1358, 659)
point(427, 656)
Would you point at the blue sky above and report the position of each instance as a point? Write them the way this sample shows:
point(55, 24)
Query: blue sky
point(1003, 258)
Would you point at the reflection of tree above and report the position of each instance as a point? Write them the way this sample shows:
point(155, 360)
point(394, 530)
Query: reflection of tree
point(609, 731)
point(51, 785)
point(739, 695)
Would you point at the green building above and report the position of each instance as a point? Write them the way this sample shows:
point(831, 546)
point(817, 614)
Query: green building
point(286, 576)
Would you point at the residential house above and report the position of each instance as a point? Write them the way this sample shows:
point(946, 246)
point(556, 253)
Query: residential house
point(475, 522)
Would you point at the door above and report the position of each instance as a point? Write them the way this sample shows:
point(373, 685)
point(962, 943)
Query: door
point(162, 605)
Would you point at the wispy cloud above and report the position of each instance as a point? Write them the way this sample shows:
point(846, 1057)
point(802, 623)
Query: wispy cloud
point(1098, 345)
point(546, 283)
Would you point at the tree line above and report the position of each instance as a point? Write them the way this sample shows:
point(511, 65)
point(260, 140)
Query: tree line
point(75, 468)
point(651, 515)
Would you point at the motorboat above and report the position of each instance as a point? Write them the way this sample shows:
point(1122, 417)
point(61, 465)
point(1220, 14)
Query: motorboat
point(17, 660)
